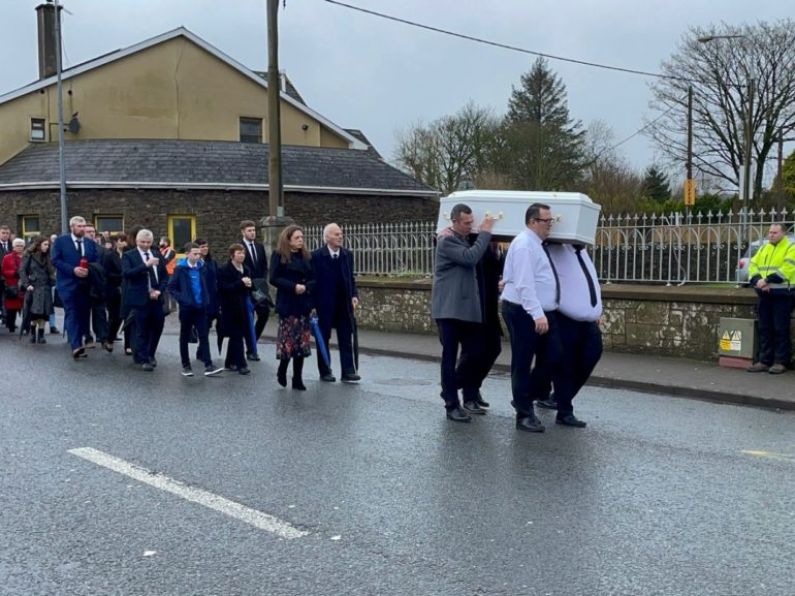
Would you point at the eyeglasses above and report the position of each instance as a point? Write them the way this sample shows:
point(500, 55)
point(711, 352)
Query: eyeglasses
point(547, 220)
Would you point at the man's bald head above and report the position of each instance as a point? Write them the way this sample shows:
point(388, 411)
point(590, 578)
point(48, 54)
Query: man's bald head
point(332, 235)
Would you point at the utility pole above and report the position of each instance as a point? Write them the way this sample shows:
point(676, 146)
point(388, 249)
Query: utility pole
point(275, 194)
point(59, 93)
point(690, 184)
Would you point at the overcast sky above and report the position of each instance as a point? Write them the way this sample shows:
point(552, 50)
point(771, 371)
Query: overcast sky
point(368, 73)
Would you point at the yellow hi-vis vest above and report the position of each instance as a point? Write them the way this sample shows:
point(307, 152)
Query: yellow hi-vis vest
point(775, 259)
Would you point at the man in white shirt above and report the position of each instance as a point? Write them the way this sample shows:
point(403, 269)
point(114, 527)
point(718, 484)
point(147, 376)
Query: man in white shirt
point(529, 306)
point(579, 315)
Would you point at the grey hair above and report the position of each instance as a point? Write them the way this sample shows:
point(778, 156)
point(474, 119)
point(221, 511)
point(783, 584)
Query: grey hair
point(144, 235)
point(327, 230)
point(77, 219)
point(18, 242)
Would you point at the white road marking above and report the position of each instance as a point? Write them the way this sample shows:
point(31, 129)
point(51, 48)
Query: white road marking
point(258, 519)
point(770, 455)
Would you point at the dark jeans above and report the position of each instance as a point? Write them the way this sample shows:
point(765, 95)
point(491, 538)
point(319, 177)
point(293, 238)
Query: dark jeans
point(452, 334)
point(77, 315)
point(148, 328)
point(774, 321)
point(582, 350)
point(190, 317)
point(342, 323)
point(525, 344)
point(474, 366)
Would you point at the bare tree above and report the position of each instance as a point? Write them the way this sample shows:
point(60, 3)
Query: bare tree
point(449, 150)
point(719, 71)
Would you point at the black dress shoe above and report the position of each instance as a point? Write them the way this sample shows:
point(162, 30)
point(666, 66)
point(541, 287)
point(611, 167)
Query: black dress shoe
point(147, 366)
point(570, 420)
point(243, 370)
point(548, 403)
point(351, 378)
point(253, 357)
point(481, 402)
point(472, 407)
point(153, 362)
point(298, 385)
point(458, 415)
point(328, 378)
point(529, 424)
point(78, 352)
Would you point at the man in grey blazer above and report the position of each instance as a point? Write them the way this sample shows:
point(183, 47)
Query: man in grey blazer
point(455, 303)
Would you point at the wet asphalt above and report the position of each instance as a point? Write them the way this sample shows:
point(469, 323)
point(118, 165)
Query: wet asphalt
point(657, 496)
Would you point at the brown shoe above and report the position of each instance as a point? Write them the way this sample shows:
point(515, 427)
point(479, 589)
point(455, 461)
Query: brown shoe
point(777, 369)
point(758, 367)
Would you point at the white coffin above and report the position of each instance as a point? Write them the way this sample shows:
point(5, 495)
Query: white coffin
point(576, 215)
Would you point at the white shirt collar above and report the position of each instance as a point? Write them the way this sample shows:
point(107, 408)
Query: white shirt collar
point(333, 252)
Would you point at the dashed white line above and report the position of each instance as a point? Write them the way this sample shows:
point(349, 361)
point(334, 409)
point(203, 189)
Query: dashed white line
point(258, 519)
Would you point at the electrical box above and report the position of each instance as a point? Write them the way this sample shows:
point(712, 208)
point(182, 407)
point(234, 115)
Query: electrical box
point(736, 339)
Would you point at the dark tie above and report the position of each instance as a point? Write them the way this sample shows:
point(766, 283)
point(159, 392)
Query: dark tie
point(152, 274)
point(253, 252)
point(589, 279)
point(555, 273)
point(335, 256)
point(79, 246)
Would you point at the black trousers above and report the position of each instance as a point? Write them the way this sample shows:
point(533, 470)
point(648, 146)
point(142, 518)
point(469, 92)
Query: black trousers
point(235, 356)
point(114, 314)
point(342, 323)
point(190, 318)
point(474, 366)
point(774, 322)
point(149, 322)
point(582, 349)
point(452, 334)
point(525, 345)
point(99, 320)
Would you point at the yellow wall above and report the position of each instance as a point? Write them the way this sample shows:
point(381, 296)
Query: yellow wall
point(174, 90)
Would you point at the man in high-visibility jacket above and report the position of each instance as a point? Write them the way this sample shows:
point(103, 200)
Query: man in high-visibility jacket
point(772, 274)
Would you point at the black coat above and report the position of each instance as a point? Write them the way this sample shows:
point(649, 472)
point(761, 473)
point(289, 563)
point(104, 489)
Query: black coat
point(111, 263)
point(259, 270)
point(284, 277)
point(211, 266)
point(327, 291)
point(489, 272)
point(233, 296)
point(136, 277)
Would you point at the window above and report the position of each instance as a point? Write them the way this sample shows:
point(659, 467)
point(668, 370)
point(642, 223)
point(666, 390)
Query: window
point(109, 223)
point(181, 230)
point(251, 130)
point(38, 129)
point(29, 226)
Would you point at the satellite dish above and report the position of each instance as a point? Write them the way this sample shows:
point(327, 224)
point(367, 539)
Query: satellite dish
point(74, 125)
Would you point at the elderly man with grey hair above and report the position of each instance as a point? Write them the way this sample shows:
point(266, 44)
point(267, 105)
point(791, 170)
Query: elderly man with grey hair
point(71, 256)
point(145, 279)
point(336, 297)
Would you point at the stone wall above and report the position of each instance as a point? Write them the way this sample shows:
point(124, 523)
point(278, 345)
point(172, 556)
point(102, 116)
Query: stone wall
point(218, 213)
point(667, 321)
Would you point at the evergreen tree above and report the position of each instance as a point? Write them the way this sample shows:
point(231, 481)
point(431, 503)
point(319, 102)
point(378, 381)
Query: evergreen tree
point(541, 147)
point(656, 186)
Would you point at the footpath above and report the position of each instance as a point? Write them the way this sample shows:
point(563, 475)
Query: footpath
point(676, 377)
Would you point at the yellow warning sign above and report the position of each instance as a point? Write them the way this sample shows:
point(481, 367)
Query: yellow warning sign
point(731, 341)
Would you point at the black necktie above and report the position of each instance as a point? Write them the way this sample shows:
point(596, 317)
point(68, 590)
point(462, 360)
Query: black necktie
point(555, 273)
point(152, 274)
point(335, 256)
point(253, 252)
point(589, 279)
point(79, 246)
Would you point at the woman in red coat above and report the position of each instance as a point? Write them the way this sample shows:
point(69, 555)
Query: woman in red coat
point(10, 269)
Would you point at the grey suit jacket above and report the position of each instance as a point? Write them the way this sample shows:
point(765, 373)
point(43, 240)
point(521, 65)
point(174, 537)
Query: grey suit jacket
point(455, 286)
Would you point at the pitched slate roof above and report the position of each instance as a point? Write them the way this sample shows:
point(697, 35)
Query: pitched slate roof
point(204, 164)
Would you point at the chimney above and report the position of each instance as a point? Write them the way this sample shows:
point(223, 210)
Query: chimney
point(45, 16)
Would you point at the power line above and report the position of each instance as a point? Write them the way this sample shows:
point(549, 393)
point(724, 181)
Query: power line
point(503, 45)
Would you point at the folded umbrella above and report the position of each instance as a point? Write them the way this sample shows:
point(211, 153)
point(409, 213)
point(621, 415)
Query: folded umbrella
point(355, 332)
point(24, 327)
point(252, 334)
point(321, 345)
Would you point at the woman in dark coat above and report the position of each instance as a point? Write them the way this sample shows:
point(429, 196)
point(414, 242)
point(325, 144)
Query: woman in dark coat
point(10, 269)
point(212, 281)
point(111, 263)
point(37, 278)
point(234, 289)
point(291, 273)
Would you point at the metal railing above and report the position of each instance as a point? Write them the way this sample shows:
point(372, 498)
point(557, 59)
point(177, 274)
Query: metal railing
point(668, 249)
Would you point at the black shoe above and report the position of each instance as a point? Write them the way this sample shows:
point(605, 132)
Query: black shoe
point(107, 346)
point(570, 420)
point(253, 357)
point(146, 366)
point(481, 402)
point(472, 407)
point(187, 371)
point(298, 384)
point(351, 378)
point(33, 337)
point(153, 362)
point(548, 403)
point(54, 331)
point(328, 378)
point(78, 352)
point(40, 336)
point(458, 415)
point(244, 370)
point(281, 378)
point(529, 424)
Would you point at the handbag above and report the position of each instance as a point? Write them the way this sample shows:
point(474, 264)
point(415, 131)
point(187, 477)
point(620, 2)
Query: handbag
point(11, 292)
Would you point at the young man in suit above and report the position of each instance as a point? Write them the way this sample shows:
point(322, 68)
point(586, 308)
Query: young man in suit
point(72, 255)
point(145, 279)
point(336, 297)
point(257, 263)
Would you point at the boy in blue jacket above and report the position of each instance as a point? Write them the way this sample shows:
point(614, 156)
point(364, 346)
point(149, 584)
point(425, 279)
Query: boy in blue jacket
point(189, 287)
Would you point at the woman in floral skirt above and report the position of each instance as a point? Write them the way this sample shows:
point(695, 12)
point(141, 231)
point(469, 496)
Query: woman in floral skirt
point(291, 274)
